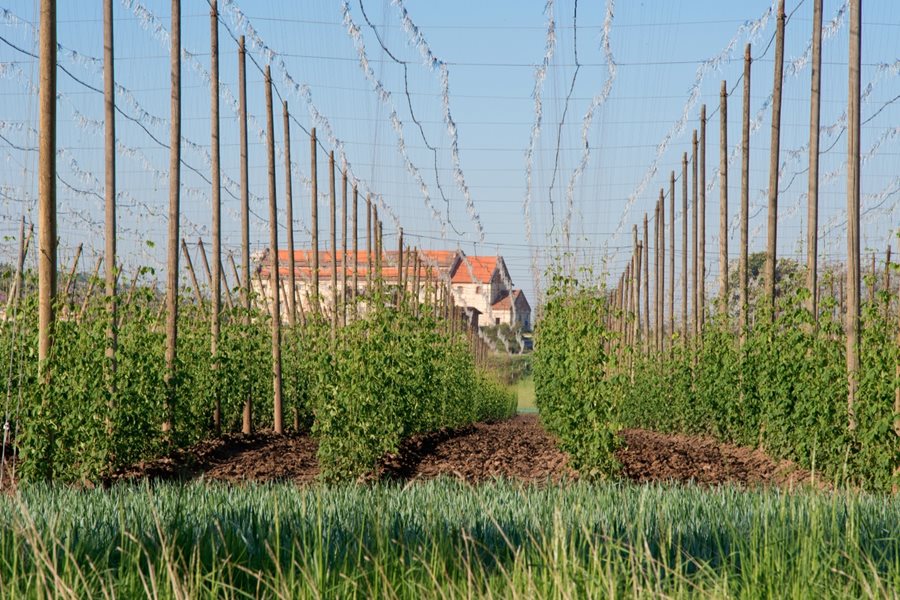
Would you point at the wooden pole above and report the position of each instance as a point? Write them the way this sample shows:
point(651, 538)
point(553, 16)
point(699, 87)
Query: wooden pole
point(694, 235)
point(369, 246)
point(671, 249)
point(887, 278)
point(193, 275)
point(245, 210)
point(661, 272)
point(657, 295)
point(646, 269)
point(215, 280)
point(400, 268)
point(206, 270)
point(853, 193)
point(274, 285)
point(90, 290)
point(701, 228)
point(314, 215)
point(333, 223)
point(69, 291)
point(684, 246)
point(636, 286)
point(14, 287)
point(228, 300)
point(872, 286)
point(109, 106)
point(344, 245)
point(289, 217)
point(174, 217)
point(774, 157)
point(47, 187)
point(355, 244)
point(376, 224)
point(853, 184)
point(743, 260)
point(723, 200)
point(234, 271)
point(812, 199)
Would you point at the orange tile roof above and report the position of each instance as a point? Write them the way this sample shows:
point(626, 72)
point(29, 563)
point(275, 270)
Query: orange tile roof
point(475, 269)
point(503, 302)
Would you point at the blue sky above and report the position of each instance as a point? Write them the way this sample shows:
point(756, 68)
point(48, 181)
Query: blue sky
point(491, 51)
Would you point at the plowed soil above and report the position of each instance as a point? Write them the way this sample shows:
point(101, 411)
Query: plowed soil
point(518, 449)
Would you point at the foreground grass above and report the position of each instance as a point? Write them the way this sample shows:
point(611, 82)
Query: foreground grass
point(443, 539)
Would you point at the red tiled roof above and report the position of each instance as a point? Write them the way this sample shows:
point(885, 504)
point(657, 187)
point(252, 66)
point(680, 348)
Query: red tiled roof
point(506, 299)
point(475, 269)
point(503, 302)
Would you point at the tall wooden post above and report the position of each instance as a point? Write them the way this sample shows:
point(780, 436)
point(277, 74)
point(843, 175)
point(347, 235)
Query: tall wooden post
point(657, 276)
point(204, 260)
point(289, 217)
point(400, 269)
point(743, 280)
point(671, 251)
point(636, 286)
point(684, 246)
point(47, 185)
point(723, 200)
point(216, 277)
point(661, 274)
point(174, 216)
point(109, 105)
point(370, 248)
point(195, 284)
point(274, 284)
point(314, 216)
point(694, 245)
point(701, 227)
point(812, 199)
point(774, 157)
point(646, 270)
point(355, 242)
point(853, 181)
point(244, 282)
point(344, 245)
point(333, 224)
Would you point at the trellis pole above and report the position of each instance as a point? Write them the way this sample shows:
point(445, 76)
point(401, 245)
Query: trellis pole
point(274, 284)
point(174, 217)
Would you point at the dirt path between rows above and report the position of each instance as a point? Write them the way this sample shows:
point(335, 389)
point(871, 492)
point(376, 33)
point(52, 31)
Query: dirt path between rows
point(519, 449)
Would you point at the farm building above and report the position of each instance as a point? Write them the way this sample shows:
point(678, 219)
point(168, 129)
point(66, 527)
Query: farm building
point(479, 283)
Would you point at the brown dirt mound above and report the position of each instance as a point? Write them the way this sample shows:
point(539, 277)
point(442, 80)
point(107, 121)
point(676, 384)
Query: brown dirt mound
point(237, 458)
point(652, 456)
point(519, 449)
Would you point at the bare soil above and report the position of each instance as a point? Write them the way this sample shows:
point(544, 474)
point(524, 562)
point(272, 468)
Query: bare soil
point(649, 456)
point(518, 449)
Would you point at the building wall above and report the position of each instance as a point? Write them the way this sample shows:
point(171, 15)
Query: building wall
point(523, 313)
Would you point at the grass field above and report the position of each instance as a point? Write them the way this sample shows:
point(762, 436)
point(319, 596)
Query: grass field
point(444, 539)
point(524, 389)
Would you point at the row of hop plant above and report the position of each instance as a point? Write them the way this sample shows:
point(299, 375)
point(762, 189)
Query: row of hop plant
point(389, 374)
point(784, 389)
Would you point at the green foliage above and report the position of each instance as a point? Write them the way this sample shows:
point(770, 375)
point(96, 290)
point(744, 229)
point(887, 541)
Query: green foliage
point(575, 391)
point(385, 376)
point(784, 390)
point(396, 374)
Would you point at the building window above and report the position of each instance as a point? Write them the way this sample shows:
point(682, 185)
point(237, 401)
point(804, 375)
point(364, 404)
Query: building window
point(477, 289)
point(497, 321)
point(459, 289)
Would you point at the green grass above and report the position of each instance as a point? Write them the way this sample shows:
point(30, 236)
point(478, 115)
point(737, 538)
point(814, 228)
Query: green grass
point(444, 539)
point(524, 390)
